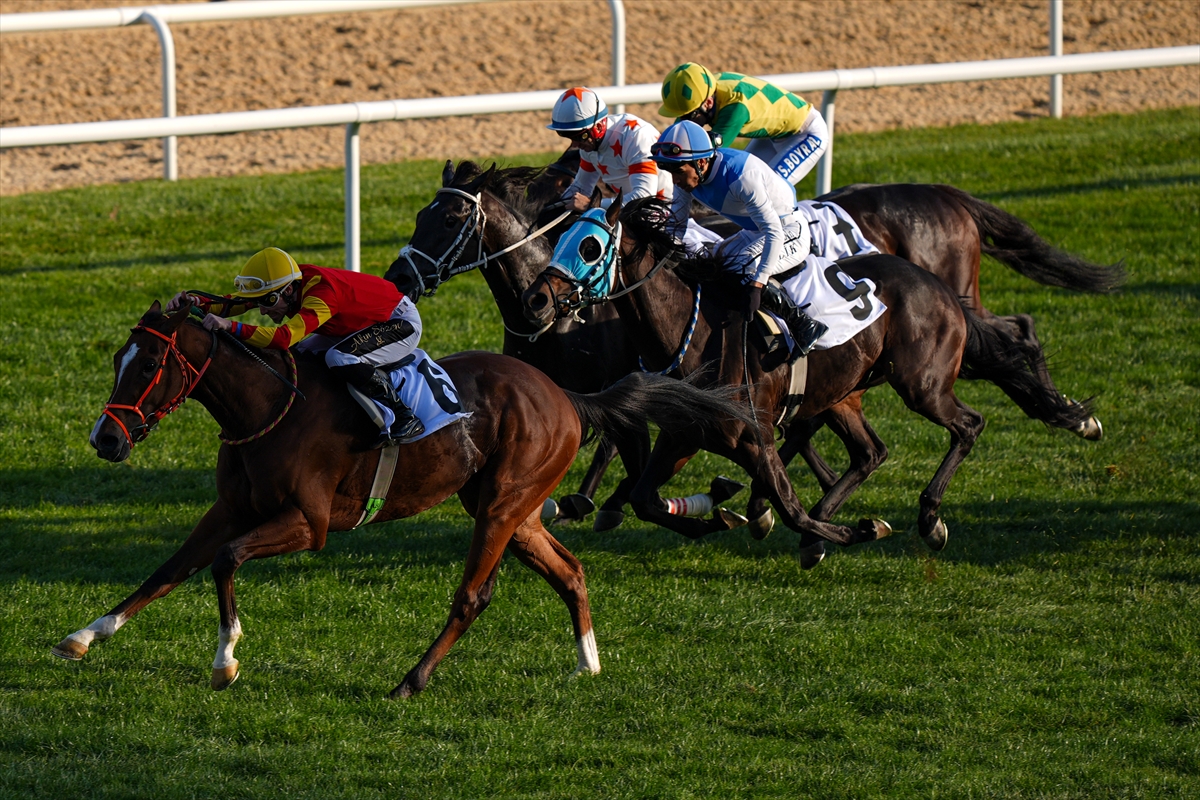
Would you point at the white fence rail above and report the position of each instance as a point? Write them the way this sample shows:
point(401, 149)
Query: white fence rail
point(161, 17)
point(353, 115)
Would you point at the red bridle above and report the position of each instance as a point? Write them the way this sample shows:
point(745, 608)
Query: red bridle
point(191, 376)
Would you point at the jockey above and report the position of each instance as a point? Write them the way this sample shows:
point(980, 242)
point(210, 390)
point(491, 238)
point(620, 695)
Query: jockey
point(742, 188)
point(362, 323)
point(784, 130)
point(617, 148)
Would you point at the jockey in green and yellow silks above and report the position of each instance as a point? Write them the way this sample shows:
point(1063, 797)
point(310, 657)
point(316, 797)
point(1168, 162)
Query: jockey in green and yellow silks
point(361, 323)
point(785, 130)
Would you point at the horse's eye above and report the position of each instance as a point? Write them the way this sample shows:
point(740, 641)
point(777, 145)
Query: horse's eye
point(149, 366)
point(590, 250)
point(450, 222)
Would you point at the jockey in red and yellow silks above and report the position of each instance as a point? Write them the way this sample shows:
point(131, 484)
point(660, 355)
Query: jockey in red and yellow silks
point(362, 323)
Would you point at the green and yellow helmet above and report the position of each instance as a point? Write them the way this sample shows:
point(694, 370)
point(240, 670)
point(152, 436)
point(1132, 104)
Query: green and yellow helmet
point(267, 270)
point(685, 88)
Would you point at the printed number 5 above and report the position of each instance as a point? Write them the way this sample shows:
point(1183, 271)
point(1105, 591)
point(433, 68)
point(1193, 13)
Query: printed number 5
point(861, 291)
point(440, 387)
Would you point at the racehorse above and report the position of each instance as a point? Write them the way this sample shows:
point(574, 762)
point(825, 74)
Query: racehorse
point(480, 215)
point(939, 228)
point(919, 345)
point(291, 472)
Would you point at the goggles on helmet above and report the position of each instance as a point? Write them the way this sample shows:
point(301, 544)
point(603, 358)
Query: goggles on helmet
point(244, 284)
point(675, 150)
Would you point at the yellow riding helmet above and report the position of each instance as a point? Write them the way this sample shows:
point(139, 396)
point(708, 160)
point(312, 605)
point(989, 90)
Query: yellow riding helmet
point(685, 88)
point(266, 271)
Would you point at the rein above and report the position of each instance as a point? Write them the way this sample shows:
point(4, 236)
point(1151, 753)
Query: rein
point(473, 226)
point(191, 377)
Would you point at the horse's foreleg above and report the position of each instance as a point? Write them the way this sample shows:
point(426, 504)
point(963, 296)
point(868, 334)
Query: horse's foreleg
point(798, 440)
point(579, 505)
point(533, 545)
point(634, 449)
point(216, 527)
point(867, 451)
point(669, 455)
point(288, 532)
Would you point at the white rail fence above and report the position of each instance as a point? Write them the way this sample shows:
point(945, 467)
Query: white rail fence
point(161, 17)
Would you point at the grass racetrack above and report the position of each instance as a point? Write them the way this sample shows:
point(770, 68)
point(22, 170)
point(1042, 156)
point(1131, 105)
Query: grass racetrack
point(1052, 650)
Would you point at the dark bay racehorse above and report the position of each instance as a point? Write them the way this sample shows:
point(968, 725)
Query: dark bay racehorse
point(478, 214)
point(308, 470)
point(919, 345)
point(939, 228)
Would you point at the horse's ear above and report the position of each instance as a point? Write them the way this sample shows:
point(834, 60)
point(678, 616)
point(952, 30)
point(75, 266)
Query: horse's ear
point(596, 198)
point(154, 309)
point(614, 210)
point(178, 316)
point(448, 173)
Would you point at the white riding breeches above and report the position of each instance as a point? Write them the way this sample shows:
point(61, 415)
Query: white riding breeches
point(394, 343)
point(794, 157)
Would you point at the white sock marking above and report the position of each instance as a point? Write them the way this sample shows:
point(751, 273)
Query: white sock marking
point(228, 639)
point(98, 631)
point(589, 656)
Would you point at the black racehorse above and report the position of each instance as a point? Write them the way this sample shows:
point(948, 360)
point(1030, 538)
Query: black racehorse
point(920, 345)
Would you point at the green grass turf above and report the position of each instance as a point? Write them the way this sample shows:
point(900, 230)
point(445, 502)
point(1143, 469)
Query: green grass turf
point(1050, 651)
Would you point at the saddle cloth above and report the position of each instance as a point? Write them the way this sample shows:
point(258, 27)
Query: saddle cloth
point(834, 298)
point(424, 387)
point(835, 234)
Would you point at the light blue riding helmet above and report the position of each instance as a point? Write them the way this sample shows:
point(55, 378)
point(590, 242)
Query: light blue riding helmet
point(682, 142)
point(587, 254)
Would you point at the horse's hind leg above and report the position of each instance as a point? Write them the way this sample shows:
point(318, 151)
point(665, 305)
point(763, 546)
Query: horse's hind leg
point(964, 424)
point(216, 527)
point(533, 545)
point(579, 505)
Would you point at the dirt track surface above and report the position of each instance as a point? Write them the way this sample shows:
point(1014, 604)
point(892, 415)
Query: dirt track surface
point(78, 76)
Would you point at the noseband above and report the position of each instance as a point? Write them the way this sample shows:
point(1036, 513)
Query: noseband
point(443, 268)
point(190, 375)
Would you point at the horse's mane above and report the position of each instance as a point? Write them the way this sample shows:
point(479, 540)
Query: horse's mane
point(645, 222)
point(510, 185)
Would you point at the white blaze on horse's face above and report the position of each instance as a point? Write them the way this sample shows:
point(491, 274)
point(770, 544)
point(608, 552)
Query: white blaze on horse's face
point(126, 360)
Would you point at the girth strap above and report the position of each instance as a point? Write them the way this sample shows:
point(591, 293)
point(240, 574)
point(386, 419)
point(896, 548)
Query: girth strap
point(388, 457)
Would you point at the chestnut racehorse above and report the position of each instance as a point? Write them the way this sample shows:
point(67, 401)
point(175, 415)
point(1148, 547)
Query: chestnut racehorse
point(293, 470)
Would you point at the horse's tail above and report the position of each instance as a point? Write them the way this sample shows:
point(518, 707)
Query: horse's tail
point(996, 355)
point(673, 405)
point(1012, 242)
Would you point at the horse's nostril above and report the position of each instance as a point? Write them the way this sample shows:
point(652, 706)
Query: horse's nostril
point(106, 442)
point(538, 302)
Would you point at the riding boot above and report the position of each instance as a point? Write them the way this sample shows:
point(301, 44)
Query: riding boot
point(407, 426)
point(805, 330)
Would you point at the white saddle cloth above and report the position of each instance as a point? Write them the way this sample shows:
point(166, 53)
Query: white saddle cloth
point(847, 307)
point(835, 234)
point(425, 387)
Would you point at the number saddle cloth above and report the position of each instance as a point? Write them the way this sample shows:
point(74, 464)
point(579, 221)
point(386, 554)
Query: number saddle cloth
point(424, 387)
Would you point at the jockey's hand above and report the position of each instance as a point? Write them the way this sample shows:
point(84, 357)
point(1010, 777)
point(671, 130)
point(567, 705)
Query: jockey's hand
point(752, 299)
point(578, 202)
point(212, 322)
point(180, 300)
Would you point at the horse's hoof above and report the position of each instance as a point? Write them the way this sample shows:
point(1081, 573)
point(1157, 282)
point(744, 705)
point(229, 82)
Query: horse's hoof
point(1089, 429)
point(812, 555)
point(223, 677)
point(722, 488)
point(69, 649)
point(575, 507)
point(402, 692)
point(762, 525)
point(549, 509)
point(878, 528)
point(936, 538)
point(729, 519)
point(607, 520)
point(581, 670)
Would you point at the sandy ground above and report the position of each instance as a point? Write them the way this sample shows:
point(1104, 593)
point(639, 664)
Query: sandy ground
point(81, 76)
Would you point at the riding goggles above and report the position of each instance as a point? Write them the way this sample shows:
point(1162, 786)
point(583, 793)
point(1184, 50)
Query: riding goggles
point(245, 284)
point(675, 150)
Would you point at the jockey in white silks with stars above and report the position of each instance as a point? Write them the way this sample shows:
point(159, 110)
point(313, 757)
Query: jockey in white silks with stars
point(614, 148)
point(741, 187)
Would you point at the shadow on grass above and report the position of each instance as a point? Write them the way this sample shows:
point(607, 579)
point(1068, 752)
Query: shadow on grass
point(1112, 184)
point(188, 258)
point(89, 526)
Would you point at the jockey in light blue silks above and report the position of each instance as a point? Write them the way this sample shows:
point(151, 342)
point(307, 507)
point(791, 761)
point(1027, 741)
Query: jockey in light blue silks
point(741, 187)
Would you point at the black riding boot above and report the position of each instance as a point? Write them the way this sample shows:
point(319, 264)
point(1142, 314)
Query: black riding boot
point(407, 426)
point(805, 330)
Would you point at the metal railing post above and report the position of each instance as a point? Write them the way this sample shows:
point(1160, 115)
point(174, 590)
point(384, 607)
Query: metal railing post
point(618, 46)
point(353, 202)
point(825, 165)
point(1056, 40)
point(170, 143)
